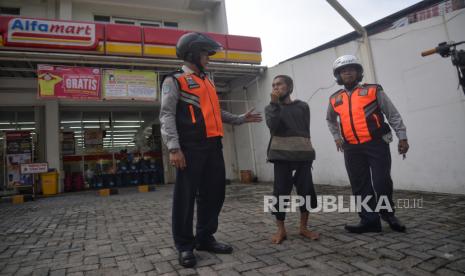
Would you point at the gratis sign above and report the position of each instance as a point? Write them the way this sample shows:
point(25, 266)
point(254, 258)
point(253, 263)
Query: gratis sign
point(68, 82)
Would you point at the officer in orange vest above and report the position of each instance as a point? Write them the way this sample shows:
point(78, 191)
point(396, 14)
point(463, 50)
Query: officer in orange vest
point(364, 137)
point(192, 128)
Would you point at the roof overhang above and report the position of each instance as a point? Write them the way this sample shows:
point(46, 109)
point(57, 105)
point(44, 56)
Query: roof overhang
point(24, 64)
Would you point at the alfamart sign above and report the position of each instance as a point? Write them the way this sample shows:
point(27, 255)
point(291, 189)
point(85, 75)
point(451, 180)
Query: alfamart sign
point(30, 32)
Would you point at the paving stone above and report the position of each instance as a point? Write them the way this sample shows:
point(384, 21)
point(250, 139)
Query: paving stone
point(163, 267)
point(22, 271)
point(252, 273)
point(346, 268)
point(448, 272)
point(391, 254)
point(60, 272)
point(10, 268)
point(40, 271)
point(458, 266)
point(274, 269)
point(249, 266)
point(82, 268)
point(228, 272)
point(416, 253)
point(400, 245)
point(206, 271)
point(434, 264)
point(187, 271)
point(292, 262)
point(130, 234)
point(367, 268)
point(298, 272)
point(91, 260)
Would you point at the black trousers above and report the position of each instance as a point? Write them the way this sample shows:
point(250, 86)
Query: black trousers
point(369, 168)
point(298, 174)
point(203, 180)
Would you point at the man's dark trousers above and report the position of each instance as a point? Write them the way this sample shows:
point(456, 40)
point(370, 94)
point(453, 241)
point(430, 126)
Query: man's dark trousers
point(203, 180)
point(369, 168)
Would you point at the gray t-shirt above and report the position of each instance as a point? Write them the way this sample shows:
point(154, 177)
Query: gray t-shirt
point(287, 120)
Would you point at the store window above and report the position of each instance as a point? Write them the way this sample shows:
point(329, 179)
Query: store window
point(9, 11)
point(150, 24)
point(136, 22)
point(170, 24)
point(127, 22)
point(102, 18)
point(112, 149)
point(15, 119)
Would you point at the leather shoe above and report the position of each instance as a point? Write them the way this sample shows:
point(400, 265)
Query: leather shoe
point(364, 227)
point(187, 259)
point(394, 223)
point(215, 247)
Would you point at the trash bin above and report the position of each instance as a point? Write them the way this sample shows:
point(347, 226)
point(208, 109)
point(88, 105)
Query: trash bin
point(49, 182)
point(246, 176)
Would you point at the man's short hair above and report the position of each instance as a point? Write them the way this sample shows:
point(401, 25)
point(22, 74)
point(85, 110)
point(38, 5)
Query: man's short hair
point(288, 80)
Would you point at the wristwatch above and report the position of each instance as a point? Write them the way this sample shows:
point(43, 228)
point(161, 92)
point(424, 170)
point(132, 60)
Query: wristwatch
point(173, 150)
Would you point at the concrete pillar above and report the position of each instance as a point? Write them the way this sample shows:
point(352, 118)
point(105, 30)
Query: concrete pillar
point(40, 129)
point(65, 10)
point(52, 136)
point(216, 20)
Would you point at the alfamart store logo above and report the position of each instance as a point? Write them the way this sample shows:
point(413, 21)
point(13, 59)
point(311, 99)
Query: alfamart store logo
point(46, 32)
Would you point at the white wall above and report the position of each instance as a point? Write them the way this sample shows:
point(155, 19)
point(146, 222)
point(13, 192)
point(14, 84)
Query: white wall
point(216, 20)
point(189, 21)
point(423, 89)
point(31, 8)
point(212, 21)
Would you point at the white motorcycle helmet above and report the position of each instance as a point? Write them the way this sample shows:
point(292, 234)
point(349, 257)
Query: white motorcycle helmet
point(344, 61)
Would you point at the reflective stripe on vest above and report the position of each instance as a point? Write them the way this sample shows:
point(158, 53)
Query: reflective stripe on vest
point(352, 113)
point(208, 101)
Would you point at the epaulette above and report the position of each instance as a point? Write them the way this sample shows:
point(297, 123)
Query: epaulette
point(372, 84)
point(335, 93)
point(173, 74)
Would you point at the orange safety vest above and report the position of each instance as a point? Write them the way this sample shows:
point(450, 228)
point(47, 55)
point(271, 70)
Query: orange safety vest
point(198, 113)
point(360, 117)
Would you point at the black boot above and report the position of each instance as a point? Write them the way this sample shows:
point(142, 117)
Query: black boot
point(364, 227)
point(215, 247)
point(394, 223)
point(187, 259)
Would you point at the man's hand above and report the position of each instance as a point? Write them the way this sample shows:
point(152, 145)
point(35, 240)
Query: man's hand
point(403, 146)
point(177, 159)
point(339, 143)
point(251, 117)
point(275, 96)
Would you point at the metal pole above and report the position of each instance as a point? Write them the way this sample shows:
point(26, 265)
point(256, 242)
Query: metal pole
point(369, 66)
point(252, 144)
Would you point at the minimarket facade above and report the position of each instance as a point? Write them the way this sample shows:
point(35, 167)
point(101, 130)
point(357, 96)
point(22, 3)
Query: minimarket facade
point(102, 141)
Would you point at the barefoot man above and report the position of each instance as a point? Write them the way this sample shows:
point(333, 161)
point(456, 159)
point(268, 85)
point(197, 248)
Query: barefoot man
point(291, 152)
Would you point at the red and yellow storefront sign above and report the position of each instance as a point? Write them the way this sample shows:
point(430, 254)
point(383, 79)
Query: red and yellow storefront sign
point(114, 39)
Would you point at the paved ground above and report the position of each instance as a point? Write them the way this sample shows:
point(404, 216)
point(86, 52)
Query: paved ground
point(130, 234)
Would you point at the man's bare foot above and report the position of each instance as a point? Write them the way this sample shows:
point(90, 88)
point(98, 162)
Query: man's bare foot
point(309, 234)
point(279, 237)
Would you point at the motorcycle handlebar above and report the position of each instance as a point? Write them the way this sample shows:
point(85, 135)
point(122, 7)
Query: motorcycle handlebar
point(429, 52)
